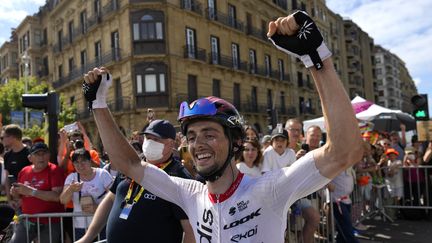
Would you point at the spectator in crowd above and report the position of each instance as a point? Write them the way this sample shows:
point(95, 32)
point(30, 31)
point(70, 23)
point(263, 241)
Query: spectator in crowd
point(399, 143)
point(393, 178)
point(15, 159)
point(414, 178)
point(265, 142)
point(86, 188)
point(27, 141)
point(250, 160)
point(251, 133)
point(110, 167)
point(278, 155)
point(3, 176)
point(385, 144)
point(130, 208)
point(305, 205)
point(39, 186)
point(186, 157)
point(427, 159)
point(294, 128)
point(341, 187)
point(6, 226)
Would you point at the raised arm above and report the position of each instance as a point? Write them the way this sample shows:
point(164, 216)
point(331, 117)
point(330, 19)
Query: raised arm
point(121, 153)
point(343, 147)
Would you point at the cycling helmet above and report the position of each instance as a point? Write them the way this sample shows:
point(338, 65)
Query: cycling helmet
point(218, 110)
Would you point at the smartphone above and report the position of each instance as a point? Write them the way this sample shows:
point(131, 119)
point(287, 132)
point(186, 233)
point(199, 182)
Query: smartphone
point(71, 127)
point(305, 147)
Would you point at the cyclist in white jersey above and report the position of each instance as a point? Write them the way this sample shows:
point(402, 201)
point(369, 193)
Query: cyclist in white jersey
point(232, 207)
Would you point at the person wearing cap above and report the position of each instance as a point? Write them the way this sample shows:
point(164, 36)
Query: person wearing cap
point(130, 208)
point(393, 177)
point(278, 155)
point(39, 186)
point(265, 142)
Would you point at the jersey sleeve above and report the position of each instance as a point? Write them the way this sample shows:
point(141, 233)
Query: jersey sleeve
point(173, 189)
point(70, 178)
point(285, 186)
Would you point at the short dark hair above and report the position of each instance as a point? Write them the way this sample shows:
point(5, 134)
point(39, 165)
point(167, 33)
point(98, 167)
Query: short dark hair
point(1, 148)
point(76, 134)
point(14, 130)
point(81, 153)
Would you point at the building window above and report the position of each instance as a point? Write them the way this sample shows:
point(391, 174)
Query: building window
point(300, 82)
point(115, 45)
point(214, 42)
point(269, 99)
point(232, 18)
point(192, 88)
point(282, 102)
point(98, 51)
point(235, 55)
point(281, 69)
point(254, 98)
point(267, 63)
point(148, 28)
point(97, 8)
point(71, 63)
point(236, 95)
point(71, 100)
point(60, 71)
point(83, 58)
point(59, 39)
point(211, 9)
point(83, 21)
point(71, 31)
point(216, 88)
point(302, 107)
point(190, 43)
point(150, 81)
point(252, 61)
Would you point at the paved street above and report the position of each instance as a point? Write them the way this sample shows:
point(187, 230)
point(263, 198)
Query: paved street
point(407, 231)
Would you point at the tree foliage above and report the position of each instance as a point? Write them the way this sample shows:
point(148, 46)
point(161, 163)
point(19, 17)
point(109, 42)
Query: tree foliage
point(10, 100)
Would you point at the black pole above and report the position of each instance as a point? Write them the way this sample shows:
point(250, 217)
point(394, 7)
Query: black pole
point(52, 111)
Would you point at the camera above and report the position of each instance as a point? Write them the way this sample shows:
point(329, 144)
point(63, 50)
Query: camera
point(78, 144)
point(305, 147)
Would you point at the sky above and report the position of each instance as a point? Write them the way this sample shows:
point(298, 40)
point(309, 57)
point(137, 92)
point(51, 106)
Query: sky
point(403, 27)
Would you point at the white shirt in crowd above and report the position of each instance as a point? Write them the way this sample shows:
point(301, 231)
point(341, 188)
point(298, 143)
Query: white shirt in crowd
point(273, 161)
point(252, 172)
point(96, 188)
point(394, 183)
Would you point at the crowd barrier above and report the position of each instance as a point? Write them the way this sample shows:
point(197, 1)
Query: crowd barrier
point(376, 203)
point(36, 218)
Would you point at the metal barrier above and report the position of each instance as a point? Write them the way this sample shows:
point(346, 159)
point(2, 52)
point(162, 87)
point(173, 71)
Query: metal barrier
point(26, 218)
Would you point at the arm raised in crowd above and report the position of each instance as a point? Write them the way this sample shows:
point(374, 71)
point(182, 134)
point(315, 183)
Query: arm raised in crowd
point(298, 35)
point(121, 153)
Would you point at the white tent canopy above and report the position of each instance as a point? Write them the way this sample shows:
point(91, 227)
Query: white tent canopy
point(366, 115)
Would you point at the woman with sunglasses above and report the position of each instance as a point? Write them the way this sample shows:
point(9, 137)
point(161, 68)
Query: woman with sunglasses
point(250, 160)
point(86, 188)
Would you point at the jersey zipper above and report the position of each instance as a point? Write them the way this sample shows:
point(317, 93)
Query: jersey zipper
point(219, 220)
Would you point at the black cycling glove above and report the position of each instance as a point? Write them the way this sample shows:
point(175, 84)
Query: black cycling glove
point(307, 44)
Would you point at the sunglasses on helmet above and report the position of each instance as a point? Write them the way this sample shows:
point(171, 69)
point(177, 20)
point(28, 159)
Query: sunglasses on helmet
point(201, 107)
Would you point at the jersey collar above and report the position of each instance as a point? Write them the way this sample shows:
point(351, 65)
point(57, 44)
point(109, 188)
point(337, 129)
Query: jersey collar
point(228, 193)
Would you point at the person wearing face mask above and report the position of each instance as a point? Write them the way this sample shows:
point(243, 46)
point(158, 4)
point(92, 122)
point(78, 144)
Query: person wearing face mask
point(130, 208)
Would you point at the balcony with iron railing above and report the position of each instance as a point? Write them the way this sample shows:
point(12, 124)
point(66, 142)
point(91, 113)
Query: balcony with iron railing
point(110, 7)
point(120, 104)
point(258, 33)
point(227, 61)
point(113, 55)
point(191, 5)
point(224, 19)
point(193, 52)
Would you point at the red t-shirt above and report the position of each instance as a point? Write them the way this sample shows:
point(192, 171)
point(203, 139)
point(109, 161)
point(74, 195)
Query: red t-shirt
point(51, 176)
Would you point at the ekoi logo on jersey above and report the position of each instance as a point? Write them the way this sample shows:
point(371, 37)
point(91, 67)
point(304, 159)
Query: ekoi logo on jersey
point(204, 230)
point(245, 235)
point(242, 220)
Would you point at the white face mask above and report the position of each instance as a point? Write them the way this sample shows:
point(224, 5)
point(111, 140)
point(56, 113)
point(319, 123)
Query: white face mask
point(152, 150)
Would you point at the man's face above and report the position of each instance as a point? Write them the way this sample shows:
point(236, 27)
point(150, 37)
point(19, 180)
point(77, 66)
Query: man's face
point(39, 159)
point(7, 140)
point(208, 145)
point(168, 147)
point(385, 143)
point(394, 138)
point(313, 137)
point(294, 130)
point(279, 144)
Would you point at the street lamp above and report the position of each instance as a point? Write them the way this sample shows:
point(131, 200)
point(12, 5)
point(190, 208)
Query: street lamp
point(26, 60)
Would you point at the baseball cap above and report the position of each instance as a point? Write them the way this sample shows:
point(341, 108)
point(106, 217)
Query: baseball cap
point(38, 147)
point(391, 151)
point(161, 129)
point(266, 139)
point(279, 133)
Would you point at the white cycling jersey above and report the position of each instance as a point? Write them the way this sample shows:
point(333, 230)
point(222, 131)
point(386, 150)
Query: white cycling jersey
point(251, 210)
